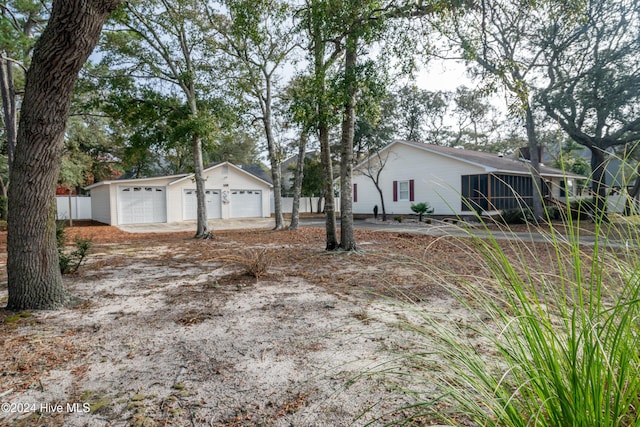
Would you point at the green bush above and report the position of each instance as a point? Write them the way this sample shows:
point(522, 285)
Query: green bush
point(582, 209)
point(522, 215)
point(421, 209)
point(70, 261)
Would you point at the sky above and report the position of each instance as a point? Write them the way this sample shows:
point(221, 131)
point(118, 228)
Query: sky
point(444, 75)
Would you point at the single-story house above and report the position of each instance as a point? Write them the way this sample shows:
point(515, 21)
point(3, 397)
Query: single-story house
point(453, 181)
point(231, 192)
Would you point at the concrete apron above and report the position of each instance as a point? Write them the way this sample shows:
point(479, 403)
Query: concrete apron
point(214, 224)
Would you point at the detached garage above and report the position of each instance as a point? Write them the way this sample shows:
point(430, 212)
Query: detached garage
point(231, 192)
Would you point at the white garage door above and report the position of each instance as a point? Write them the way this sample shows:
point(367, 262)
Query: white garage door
point(140, 205)
point(246, 203)
point(190, 203)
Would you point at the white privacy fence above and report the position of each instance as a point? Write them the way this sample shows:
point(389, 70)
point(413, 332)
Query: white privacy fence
point(74, 207)
point(307, 204)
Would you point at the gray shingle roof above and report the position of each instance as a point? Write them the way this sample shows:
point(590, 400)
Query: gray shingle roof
point(489, 160)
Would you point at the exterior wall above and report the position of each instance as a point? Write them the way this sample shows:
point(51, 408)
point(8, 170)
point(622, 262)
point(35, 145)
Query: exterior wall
point(436, 181)
point(556, 185)
point(223, 177)
point(102, 206)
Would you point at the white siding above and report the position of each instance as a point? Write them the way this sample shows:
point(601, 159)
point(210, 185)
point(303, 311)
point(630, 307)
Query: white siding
point(101, 205)
point(224, 178)
point(436, 181)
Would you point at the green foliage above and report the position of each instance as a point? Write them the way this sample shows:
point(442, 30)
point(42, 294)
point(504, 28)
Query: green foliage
point(70, 261)
point(312, 178)
point(92, 151)
point(73, 167)
point(299, 98)
point(422, 208)
point(373, 132)
point(519, 215)
point(169, 86)
point(20, 24)
point(551, 339)
point(582, 209)
point(570, 160)
point(3, 208)
point(371, 82)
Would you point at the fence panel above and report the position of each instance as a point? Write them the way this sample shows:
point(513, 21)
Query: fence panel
point(80, 207)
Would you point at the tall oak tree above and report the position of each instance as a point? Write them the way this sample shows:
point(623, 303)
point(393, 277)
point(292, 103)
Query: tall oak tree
point(35, 281)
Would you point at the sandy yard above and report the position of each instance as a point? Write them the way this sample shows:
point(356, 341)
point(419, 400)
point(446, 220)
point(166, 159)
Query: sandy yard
point(167, 330)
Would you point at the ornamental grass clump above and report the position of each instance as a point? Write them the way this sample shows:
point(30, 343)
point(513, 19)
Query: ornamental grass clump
point(254, 262)
point(555, 335)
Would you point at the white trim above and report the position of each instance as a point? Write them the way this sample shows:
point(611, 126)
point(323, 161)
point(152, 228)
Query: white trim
point(210, 168)
point(131, 181)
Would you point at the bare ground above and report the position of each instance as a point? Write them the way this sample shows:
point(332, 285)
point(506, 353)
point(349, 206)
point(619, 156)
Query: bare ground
point(168, 330)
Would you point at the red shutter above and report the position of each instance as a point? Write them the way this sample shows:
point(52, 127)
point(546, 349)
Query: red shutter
point(355, 192)
point(411, 198)
point(395, 191)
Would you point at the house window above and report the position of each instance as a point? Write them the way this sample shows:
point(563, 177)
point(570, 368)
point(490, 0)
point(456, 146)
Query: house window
point(403, 191)
point(566, 188)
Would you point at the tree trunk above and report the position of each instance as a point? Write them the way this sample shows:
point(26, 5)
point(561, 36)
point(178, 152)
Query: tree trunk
point(347, 236)
point(599, 184)
point(384, 210)
point(202, 226)
point(274, 155)
point(35, 281)
point(10, 115)
point(331, 229)
point(374, 175)
point(297, 183)
point(534, 156)
point(276, 177)
point(325, 148)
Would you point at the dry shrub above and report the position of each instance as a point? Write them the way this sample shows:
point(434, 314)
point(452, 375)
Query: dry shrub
point(253, 261)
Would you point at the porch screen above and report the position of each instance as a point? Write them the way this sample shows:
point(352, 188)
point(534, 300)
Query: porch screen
point(490, 192)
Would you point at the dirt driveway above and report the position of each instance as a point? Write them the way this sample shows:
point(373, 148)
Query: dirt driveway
point(168, 330)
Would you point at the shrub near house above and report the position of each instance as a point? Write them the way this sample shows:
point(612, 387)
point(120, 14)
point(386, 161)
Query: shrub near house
point(421, 209)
